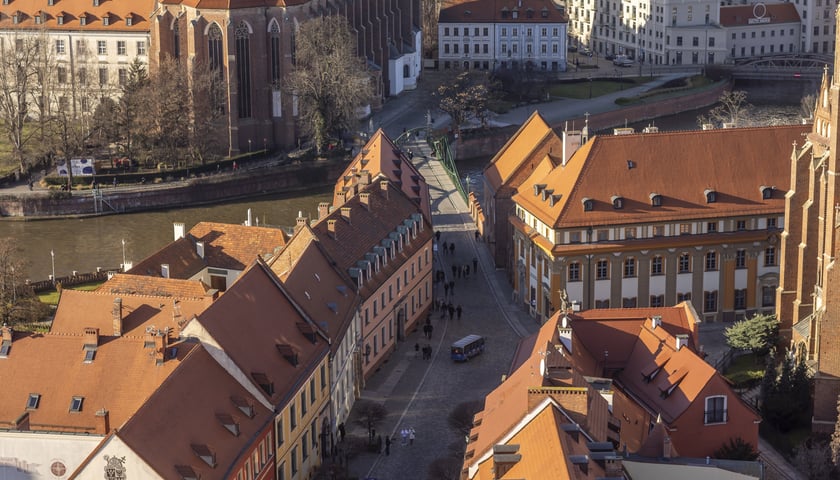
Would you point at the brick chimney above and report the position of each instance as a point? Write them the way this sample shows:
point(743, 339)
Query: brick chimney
point(323, 210)
point(384, 186)
point(116, 317)
point(364, 199)
point(613, 467)
point(91, 337)
point(364, 177)
point(345, 214)
point(103, 423)
point(161, 342)
point(331, 226)
point(300, 221)
point(341, 197)
point(179, 230)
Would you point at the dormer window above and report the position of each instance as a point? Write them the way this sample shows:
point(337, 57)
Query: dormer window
point(655, 200)
point(544, 12)
point(83, 20)
point(106, 19)
point(504, 10)
point(617, 202)
point(16, 18)
point(60, 19)
point(129, 19)
point(96, 3)
point(39, 18)
point(767, 192)
point(711, 195)
point(50, 2)
point(529, 13)
point(6, 2)
point(587, 204)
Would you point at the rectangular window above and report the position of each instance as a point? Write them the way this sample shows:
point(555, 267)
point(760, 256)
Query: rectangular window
point(574, 237)
point(603, 235)
point(628, 302)
point(103, 76)
point(323, 376)
point(304, 446)
point(141, 47)
point(574, 272)
point(771, 222)
point(34, 400)
point(294, 460)
point(76, 404)
point(602, 303)
point(303, 404)
point(711, 261)
point(741, 259)
point(710, 301)
point(684, 263)
point(740, 299)
point(657, 300)
point(740, 225)
point(59, 47)
point(602, 270)
point(658, 230)
point(101, 47)
point(292, 416)
point(279, 435)
point(770, 256)
point(711, 227)
point(684, 297)
point(122, 76)
point(657, 266)
point(61, 73)
point(630, 268)
point(121, 50)
point(715, 410)
point(685, 229)
point(768, 296)
point(630, 233)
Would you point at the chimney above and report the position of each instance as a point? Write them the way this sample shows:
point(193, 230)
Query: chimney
point(364, 199)
point(180, 230)
point(161, 342)
point(116, 316)
point(364, 177)
point(103, 423)
point(199, 249)
point(345, 213)
point(341, 197)
point(91, 337)
point(331, 226)
point(682, 340)
point(22, 422)
point(666, 447)
point(384, 186)
point(323, 210)
point(164, 270)
point(300, 221)
point(613, 467)
point(655, 321)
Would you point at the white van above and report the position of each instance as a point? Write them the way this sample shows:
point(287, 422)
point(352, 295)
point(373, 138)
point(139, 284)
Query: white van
point(622, 61)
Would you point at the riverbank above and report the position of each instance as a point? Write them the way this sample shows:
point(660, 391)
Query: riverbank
point(244, 183)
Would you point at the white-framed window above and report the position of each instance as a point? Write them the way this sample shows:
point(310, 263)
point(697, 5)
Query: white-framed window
point(141, 47)
point(59, 47)
point(121, 50)
point(101, 47)
point(715, 410)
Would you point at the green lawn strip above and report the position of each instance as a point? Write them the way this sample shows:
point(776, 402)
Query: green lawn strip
point(745, 371)
point(50, 297)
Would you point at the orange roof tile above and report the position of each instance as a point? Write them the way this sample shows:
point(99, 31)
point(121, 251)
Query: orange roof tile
point(181, 257)
point(117, 12)
point(253, 333)
point(368, 226)
point(774, 14)
point(379, 158)
point(78, 310)
point(484, 11)
point(327, 295)
point(679, 166)
point(516, 152)
point(236, 4)
point(201, 392)
point(123, 283)
point(120, 378)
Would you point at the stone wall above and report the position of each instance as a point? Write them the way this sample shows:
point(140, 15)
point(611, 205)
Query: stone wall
point(195, 191)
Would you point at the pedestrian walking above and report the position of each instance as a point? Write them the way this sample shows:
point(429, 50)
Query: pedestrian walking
point(451, 312)
point(445, 247)
point(387, 445)
point(452, 286)
point(416, 349)
point(452, 248)
point(475, 265)
point(459, 310)
point(454, 269)
point(466, 271)
point(411, 435)
point(341, 431)
point(477, 235)
point(431, 329)
point(437, 236)
point(379, 444)
point(428, 352)
point(404, 435)
point(446, 289)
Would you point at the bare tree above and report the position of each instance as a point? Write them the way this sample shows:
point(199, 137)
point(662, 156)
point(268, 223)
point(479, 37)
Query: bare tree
point(19, 62)
point(465, 97)
point(328, 79)
point(732, 110)
point(166, 113)
point(808, 104)
point(429, 16)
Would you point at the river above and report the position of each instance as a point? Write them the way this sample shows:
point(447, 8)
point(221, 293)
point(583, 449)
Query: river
point(85, 244)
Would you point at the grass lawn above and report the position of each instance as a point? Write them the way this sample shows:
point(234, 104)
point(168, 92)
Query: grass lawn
point(50, 297)
point(580, 90)
point(746, 370)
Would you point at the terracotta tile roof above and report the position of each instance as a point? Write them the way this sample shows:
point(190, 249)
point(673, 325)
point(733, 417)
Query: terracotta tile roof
point(381, 158)
point(748, 15)
point(202, 393)
point(515, 154)
point(326, 295)
point(654, 443)
point(490, 11)
point(387, 210)
point(227, 246)
point(638, 166)
point(78, 310)
point(123, 283)
point(121, 376)
point(262, 337)
point(236, 4)
point(117, 12)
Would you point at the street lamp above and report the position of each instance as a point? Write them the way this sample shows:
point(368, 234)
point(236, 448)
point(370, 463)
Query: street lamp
point(52, 256)
point(123, 249)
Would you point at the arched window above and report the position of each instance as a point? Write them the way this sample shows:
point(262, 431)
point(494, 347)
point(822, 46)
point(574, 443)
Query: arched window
point(243, 68)
point(215, 56)
point(176, 41)
point(276, 54)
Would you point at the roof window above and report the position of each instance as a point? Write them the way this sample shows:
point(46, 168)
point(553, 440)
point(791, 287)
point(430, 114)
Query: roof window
point(587, 204)
point(265, 384)
point(129, 19)
point(186, 472)
point(711, 195)
point(243, 406)
point(203, 452)
point(767, 192)
point(227, 422)
point(76, 404)
point(617, 202)
point(33, 401)
point(655, 199)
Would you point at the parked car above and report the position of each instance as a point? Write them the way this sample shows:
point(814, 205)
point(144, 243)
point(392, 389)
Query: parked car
point(622, 61)
point(609, 56)
point(586, 51)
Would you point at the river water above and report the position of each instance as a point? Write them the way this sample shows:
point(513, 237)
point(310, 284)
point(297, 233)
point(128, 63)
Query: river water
point(85, 244)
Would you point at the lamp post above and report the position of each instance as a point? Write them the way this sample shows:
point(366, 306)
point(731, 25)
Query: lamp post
point(123, 250)
point(52, 257)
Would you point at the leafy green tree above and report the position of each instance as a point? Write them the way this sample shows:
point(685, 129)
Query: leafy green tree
point(757, 334)
point(768, 382)
point(328, 79)
point(737, 449)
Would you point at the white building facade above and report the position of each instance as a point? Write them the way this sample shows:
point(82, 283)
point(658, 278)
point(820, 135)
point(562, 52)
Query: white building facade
point(487, 35)
point(758, 30)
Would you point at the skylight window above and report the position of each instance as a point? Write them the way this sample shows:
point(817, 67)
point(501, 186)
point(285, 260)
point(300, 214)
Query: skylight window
point(33, 401)
point(76, 404)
